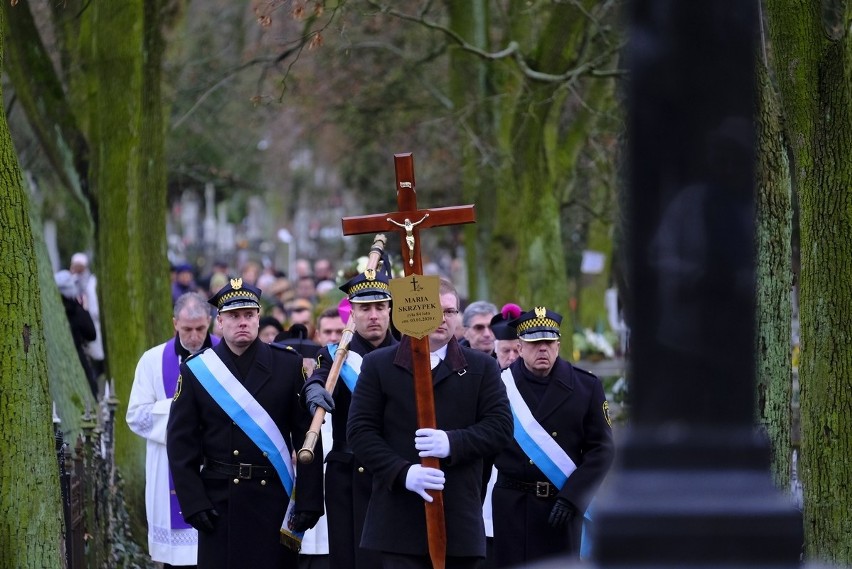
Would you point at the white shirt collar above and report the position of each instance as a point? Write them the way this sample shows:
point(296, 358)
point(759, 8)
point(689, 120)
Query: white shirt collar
point(438, 355)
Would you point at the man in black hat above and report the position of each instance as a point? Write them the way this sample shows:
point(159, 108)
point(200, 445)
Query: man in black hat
point(505, 336)
point(234, 414)
point(561, 452)
point(347, 482)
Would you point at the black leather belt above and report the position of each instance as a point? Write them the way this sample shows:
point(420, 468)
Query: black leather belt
point(539, 489)
point(242, 471)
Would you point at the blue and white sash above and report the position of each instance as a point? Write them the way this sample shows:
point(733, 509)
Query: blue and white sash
point(536, 443)
point(245, 411)
point(351, 368)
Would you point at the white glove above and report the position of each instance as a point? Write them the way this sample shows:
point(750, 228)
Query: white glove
point(432, 442)
point(421, 478)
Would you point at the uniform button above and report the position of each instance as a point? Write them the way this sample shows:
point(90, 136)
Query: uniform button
point(553, 434)
point(531, 462)
point(236, 453)
point(263, 482)
point(236, 480)
point(265, 454)
point(361, 469)
point(233, 423)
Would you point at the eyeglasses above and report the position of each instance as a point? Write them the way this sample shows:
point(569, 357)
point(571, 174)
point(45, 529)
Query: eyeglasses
point(450, 312)
point(480, 327)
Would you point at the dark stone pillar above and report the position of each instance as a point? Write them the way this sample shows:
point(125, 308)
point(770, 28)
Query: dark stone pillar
point(692, 485)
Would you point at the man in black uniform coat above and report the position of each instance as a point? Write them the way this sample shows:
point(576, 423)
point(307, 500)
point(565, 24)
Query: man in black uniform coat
point(473, 422)
point(228, 488)
point(539, 515)
point(347, 482)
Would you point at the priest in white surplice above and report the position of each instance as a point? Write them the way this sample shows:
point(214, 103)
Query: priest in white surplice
point(171, 540)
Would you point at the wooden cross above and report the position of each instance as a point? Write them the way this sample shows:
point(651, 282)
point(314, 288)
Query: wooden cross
point(409, 220)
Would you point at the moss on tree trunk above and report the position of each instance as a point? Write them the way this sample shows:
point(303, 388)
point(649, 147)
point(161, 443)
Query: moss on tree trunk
point(773, 372)
point(812, 63)
point(30, 526)
point(126, 137)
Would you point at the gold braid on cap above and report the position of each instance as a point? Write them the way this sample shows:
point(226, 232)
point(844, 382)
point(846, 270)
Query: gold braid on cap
point(364, 285)
point(243, 294)
point(541, 320)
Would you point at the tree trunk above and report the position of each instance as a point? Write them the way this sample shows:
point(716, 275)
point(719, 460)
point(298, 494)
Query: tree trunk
point(812, 62)
point(40, 92)
point(594, 191)
point(127, 152)
point(69, 386)
point(773, 377)
point(527, 242)
point(115, 50)
point(152, 204)
point(30, 530)
point(472, 100)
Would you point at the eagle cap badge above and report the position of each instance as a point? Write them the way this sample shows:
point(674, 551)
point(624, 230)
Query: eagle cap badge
point(540, 312)
point(237, 283)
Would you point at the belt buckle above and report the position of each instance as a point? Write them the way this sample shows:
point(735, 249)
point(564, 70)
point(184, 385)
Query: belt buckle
point(244, 471)
point(542, 489)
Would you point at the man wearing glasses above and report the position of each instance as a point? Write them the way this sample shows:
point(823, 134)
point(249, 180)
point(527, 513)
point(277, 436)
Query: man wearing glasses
point(476, 320)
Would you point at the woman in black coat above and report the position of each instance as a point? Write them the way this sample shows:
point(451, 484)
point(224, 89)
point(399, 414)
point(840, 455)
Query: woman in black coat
point(80, 321)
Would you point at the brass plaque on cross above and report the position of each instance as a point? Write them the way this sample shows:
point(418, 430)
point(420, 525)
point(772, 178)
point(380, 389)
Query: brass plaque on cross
point(416, 304)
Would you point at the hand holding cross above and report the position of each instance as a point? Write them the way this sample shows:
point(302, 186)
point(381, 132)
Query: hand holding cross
point(410, 235)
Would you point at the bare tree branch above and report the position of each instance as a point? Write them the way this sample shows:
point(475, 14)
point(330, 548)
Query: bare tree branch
point(512, 50)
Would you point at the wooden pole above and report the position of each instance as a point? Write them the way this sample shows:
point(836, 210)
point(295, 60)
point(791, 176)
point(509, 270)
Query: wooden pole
point(306, 453)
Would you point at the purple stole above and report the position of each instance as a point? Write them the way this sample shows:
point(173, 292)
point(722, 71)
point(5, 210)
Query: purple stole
point(171, 371)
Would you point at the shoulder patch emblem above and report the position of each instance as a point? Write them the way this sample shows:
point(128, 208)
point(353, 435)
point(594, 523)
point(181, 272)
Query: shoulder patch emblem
point(605, 413)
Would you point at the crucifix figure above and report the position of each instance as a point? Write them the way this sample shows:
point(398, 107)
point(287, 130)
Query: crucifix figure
point(401, 221)
point(408, 226)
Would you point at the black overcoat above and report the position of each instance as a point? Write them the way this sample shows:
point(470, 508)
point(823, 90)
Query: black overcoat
point(250, 511)
point(348, 482)
point(470, 405)
point(573, 410)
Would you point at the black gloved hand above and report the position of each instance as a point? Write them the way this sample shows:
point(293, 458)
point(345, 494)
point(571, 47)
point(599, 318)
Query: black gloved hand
point(303, 521)
point(560, 514)
point(317, 396)
point(204, 521)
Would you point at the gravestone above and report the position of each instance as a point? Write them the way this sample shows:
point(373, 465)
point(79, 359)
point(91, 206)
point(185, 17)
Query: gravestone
point(691, 484)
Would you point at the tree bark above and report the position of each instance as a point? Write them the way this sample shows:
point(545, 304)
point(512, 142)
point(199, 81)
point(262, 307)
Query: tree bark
point(69, 386)
point(41, 94)
point(473, 105)
point(812, 61)
point(773, 377)
point(127, 169)
point(114, 95)
point(30, 530)
point(536, 169)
